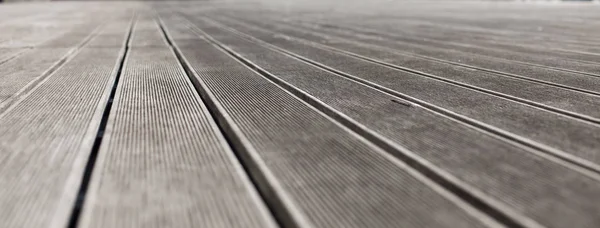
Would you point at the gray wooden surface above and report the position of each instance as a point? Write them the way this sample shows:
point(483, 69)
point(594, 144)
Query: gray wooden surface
point(299, 114)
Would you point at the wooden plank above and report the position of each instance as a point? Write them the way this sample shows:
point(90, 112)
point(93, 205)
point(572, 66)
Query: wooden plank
point(47, 136)
point(163, 161)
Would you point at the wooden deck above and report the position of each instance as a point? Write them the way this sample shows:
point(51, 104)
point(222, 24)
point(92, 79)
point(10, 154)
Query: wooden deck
point(299, 114)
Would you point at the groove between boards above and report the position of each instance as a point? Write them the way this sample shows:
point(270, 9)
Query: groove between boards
point(14, 55)
point(89, 167)
point(479, 200)
point(275, 203)
point(578, 164)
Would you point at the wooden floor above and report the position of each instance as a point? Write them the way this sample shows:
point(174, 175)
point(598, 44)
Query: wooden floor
point(320, 113)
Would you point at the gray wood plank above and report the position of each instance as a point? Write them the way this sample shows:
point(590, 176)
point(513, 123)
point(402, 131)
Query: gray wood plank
point(17, 73)
point(147, 33)
point(114, 34)
point(24, 72)
point(48, 131)
point(56, 30)
point(6, 54)
point(163, 161)
point(46, 139)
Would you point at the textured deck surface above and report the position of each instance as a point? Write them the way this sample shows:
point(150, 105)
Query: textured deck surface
point(299, 114)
